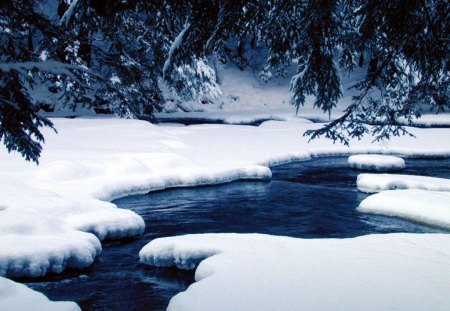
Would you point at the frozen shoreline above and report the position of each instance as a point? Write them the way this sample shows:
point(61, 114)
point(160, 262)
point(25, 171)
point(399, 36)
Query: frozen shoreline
point(263, 272)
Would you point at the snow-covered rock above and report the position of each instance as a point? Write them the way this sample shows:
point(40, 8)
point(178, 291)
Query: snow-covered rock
point(376, 162)
point(15, 296)
point(427, 207)
point(261, 272)
point(33, 245)
point(378, 182)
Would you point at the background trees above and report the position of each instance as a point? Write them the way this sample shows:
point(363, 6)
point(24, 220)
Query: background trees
point(114, 55)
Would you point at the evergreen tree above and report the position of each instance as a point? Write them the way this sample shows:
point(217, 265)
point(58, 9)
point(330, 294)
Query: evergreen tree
point(116, 55)
point(29, 80)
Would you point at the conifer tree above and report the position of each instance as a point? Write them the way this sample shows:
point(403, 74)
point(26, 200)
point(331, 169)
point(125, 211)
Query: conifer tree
point(115, 55)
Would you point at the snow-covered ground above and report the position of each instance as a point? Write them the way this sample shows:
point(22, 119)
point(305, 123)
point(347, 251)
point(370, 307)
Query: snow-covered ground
point(15, 297)
point(261, 272)
point(246, 99)
point(34, 244)
point(371, 183)
point(376, 162)
point(421, 199)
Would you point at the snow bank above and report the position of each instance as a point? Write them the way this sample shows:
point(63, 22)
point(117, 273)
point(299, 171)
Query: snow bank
point(246, 117)
point(15, 296)
point(375, 162)
point(260, 272)
point(61, 200)
point(33, 245)
point(430, 120)
point(378, 182)
point(427, 207)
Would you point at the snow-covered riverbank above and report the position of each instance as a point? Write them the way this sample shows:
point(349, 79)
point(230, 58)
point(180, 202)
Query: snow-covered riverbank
point(263, 272)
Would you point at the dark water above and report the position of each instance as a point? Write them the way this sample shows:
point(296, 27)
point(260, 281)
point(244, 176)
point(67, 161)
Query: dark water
point(314, 199)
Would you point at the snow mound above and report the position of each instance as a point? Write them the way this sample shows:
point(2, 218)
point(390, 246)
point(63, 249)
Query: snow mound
point(427, 207)
point(33, 245)
point(378, 182)
point(261, 272)
point(75, 208)
point(15, 296)
point(375, 162)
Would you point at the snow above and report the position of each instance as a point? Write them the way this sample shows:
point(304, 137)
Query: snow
point(378, 182)
point(376, 162)
point(431, 120)
point(15, 296)
point(175, 46)
point(50, 66)
point(68, 15)
point(92, 161)
point(245, 95)
point(422, 199)
point(33, 245)
point(261, 272)
point(53, 190)
point(422, 206)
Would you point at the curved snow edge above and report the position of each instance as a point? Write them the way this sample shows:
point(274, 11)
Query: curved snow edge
point(426, 207)
point(16, 296)
point(263, 272)
point(371, 183)
point(37, 245)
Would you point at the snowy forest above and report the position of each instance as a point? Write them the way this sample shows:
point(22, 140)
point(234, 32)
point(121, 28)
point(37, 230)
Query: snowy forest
point(224, 155)
point(117, 57)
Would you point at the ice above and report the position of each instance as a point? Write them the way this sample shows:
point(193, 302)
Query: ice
point(15, 296)
point(375, 162)
point(427, 207)
point(33, 245)
point(378, 182)
point(261, 272)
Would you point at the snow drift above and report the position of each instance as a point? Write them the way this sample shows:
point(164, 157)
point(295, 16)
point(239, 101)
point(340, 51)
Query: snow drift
point(15, 296)
point(261, 272)
point(426, 207)
point(375, 162)
point(33, 245)
point(378, 182)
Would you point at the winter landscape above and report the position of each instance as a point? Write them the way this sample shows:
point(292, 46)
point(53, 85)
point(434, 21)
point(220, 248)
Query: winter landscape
point(224, 155)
